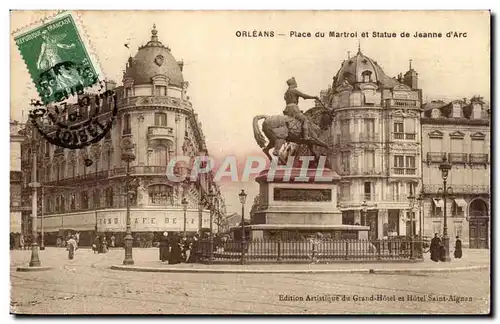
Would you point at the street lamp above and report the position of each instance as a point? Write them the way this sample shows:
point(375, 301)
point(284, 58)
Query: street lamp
point(412, 199)
point(445, 168)
point(128, 157)
point(184, 206)
point(420, 201)
point(211, 197)
point(243, 198)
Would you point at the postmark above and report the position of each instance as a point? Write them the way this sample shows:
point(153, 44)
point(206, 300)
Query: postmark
point(57, 59)
point(76, 125)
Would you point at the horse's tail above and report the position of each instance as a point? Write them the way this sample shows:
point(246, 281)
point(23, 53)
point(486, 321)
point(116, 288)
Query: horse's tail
point(259, 138)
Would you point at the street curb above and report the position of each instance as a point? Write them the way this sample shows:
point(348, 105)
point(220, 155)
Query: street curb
point(32, 269)
point(297, 271)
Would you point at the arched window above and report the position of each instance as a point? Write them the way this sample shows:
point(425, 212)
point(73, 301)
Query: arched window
point(367, 76)
point(72, 201)
point(62, 170)
point(159, 155)
point(62, 207)
point(159, 194)
point(160, 119)
point(478, 208)
point(84, 200)
point(127, 127)
point(96, 199)
point(109, 197)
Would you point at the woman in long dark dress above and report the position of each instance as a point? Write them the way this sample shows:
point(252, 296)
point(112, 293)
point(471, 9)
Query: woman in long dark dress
point(164, 247)
point(435, 248)
point(176, 250)
point(458, 248)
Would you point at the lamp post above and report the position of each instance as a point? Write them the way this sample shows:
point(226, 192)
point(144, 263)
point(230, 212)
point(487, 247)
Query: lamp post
point(412, 199)
point(35, 259)
point(211, 197)
point(184, 206)
point(420, 200)
point(128, 157)
point(445, 168)
point(243, 198)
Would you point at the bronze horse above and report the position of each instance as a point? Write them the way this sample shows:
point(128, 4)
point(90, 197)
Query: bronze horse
point(278, 130)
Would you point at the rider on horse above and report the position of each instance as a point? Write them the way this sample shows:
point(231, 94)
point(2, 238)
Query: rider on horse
point(292, 96)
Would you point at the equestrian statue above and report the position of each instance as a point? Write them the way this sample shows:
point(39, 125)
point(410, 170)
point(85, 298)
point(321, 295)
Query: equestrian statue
point(292, 126)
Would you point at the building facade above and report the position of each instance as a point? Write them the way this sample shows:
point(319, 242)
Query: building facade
point(156, 118)
point(375, 135)
point(459, 130)
point(16, 208)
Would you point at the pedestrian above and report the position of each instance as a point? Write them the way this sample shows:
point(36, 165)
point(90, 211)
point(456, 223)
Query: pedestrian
point(72, 247)
point(96, 247)
point(175, 255)
point(435, 248)
point(113, 241)
point(21, 242)
point(104, 244)
point(458, 248)
point(164, 247)
point(193, 258)
point(186, 249)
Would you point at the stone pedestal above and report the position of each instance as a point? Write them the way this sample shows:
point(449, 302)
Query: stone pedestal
point(299, 203)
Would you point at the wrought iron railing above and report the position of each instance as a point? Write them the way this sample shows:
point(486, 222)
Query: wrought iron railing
point(401, 103)
point(404, 171)
point(478, 158)
point(435, 157)
point(324, 250)
point(457, 157)
point(457, 189)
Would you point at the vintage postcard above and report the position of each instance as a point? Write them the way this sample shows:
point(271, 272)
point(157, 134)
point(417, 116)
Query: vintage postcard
point(250, 162)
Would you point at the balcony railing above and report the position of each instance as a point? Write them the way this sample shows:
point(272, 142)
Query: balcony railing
point(457, 158)
point(404, 171)
point(478, 158)
point(435, 157)
point(404, 136)
point(101, 175)
point(401, 103)
point(369, 137)
point(160, 131)
point(457, 189)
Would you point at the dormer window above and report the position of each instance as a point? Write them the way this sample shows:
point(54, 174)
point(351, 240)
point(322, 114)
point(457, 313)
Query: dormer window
point(476, 112)
point(457, 111)
point(435, 113)
point(367, 76)
point(161, 91)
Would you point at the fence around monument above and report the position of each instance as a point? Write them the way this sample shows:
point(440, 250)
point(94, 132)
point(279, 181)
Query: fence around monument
point(274, 251)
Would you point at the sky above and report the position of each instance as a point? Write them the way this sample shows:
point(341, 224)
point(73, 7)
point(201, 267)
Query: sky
point(232, 79)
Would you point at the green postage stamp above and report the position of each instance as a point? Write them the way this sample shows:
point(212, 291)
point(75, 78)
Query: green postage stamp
point(57, 59)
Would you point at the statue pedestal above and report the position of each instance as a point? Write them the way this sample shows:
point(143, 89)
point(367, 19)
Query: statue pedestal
point(296, 205)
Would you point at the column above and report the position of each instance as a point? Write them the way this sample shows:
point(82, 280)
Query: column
point(383, 223)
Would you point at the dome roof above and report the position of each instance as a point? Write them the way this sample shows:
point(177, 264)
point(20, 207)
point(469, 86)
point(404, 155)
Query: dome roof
point(154, 59)
point(360, 67)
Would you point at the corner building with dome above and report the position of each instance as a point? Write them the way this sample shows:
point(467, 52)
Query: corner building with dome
point(156, 118)
point(388, 145)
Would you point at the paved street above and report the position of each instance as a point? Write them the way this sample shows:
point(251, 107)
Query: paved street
point(87, 285)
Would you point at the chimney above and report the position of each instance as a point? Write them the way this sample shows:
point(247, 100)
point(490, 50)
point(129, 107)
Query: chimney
point(411, 78)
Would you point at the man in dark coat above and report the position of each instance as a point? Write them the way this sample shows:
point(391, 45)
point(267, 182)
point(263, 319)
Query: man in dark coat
point(458, 248)
point(175, 255)
point(435, 248)
point(164, 247)
point(97, 244)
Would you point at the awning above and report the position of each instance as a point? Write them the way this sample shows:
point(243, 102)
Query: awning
point(461, 203)
point(438, 202)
